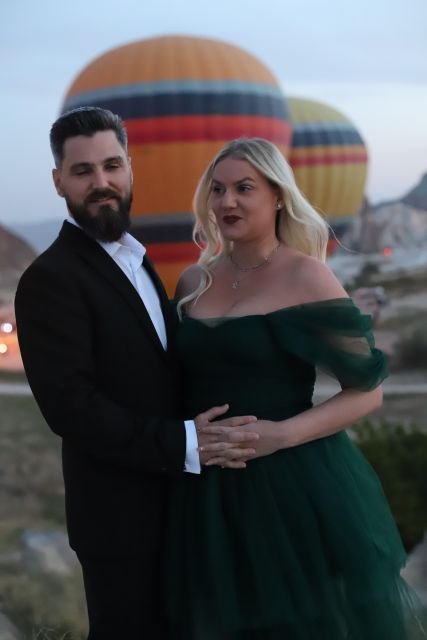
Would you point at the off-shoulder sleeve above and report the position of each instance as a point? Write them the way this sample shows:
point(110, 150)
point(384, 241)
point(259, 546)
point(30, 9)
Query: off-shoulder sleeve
point(334, 336)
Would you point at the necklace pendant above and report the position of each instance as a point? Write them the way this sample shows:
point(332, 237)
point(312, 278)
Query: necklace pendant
point(235, 285)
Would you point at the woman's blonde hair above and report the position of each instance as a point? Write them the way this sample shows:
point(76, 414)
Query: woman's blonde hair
point(298, 225)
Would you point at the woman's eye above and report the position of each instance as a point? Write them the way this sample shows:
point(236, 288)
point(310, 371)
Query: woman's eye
point(216, 189)
point(244, 187)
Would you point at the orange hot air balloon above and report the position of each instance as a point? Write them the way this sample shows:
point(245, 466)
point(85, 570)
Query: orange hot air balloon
point(182, 98)
point(329, 160)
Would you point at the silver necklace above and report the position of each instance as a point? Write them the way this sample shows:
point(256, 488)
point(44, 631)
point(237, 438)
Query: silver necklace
point(238, 267)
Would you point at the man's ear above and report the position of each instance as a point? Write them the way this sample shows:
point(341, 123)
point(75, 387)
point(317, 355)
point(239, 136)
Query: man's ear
point(56, 175)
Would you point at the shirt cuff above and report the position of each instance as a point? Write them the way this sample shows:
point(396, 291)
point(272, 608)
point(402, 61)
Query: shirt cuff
point(192, 460)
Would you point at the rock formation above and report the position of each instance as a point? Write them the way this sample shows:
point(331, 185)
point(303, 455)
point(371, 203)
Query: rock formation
point(15, 256)
point(417, 197)
point(396, 224)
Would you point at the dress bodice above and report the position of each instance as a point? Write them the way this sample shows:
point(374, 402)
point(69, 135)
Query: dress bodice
point(265, 364)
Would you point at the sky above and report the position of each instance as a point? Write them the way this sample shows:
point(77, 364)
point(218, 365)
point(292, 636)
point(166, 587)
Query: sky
point(367, 59)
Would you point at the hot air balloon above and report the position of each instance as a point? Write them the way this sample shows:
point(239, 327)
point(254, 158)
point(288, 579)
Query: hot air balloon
point(329, 160)
point(181, 98)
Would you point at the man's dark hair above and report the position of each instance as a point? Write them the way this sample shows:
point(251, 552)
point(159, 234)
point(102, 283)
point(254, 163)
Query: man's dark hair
point(84, 121)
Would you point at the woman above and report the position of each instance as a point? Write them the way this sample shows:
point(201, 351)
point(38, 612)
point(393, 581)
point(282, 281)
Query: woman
point(299, 545)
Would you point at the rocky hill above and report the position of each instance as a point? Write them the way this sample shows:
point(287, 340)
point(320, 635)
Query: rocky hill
point(396, 224)
point(15, 256)
point(39, 235)
point(417, 197)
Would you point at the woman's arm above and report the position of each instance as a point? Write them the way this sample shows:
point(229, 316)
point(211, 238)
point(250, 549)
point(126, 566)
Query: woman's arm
point(349, 405)
point(329, 417)
point(321, 421)
point(325, 419)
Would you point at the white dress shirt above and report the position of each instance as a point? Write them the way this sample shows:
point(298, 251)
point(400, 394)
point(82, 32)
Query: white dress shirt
point(128, 254)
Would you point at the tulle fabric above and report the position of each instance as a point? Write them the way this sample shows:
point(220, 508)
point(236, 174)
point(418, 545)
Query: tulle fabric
point(334, 336)
point(301, 545)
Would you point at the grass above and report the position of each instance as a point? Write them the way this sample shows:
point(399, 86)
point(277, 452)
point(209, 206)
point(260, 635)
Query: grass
point(30, 466)
point(42, 606)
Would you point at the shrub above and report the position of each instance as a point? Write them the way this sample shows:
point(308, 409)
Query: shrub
point(44, 607)
point(411, 348)
point(399, 456)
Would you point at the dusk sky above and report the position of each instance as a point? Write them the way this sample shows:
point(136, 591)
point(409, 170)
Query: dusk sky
point(367, 59)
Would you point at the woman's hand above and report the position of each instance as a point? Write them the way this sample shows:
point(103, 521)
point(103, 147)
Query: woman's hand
point(270, 439)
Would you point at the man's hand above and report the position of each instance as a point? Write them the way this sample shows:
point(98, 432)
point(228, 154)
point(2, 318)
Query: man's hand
point(223, 443)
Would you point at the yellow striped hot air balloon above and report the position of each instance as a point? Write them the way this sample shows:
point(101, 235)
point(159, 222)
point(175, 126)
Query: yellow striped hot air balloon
point(181, 98)
point(329, 160)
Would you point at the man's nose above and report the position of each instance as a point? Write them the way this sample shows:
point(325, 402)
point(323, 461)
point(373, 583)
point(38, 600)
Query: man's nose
point(100, 179)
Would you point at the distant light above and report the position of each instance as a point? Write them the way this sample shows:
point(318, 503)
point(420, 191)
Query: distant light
point(387, 251)
point(3, 348)
point(6, 327)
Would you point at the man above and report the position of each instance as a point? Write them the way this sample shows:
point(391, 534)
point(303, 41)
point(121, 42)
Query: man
point(93, 327)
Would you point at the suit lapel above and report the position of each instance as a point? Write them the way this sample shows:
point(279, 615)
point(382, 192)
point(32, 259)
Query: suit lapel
point(99, 260)
point(164, 300)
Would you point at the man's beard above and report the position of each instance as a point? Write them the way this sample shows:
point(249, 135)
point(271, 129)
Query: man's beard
point(108, 224)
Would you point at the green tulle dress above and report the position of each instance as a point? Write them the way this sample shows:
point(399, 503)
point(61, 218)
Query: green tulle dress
point(301, 545)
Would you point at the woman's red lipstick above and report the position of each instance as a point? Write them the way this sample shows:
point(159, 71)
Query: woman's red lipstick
point(230, 219)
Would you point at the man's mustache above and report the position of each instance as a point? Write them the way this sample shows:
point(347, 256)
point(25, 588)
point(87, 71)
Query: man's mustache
point(99, 194)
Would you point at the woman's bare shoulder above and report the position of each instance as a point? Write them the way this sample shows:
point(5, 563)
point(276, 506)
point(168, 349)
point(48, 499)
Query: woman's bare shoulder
point(188, 281)
point(314, 279)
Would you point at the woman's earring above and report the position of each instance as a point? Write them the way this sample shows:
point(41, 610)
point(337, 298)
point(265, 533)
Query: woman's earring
point(279, 204)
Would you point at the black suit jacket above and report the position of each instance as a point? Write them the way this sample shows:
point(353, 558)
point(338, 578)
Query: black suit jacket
point(104, 384)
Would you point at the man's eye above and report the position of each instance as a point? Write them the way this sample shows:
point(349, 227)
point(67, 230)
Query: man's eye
point(111, 167)
point(81, 172)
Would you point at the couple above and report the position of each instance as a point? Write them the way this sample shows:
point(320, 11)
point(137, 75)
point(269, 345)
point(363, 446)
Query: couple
point(205, 497)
